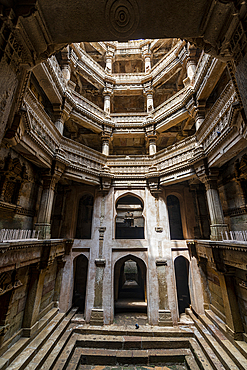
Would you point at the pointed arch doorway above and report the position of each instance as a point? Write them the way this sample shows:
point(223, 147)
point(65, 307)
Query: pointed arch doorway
point(130, 287)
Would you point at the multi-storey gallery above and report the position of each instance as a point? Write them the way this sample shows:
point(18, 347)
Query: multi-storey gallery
point(123, 185)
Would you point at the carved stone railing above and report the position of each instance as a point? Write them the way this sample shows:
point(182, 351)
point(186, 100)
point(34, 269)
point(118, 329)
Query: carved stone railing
point(229, 236)
point(124, 119)
point(85, 106)
point(88, 65)
point(173, 104)
point(7, 235)
point(217, 122)
point(55, 70)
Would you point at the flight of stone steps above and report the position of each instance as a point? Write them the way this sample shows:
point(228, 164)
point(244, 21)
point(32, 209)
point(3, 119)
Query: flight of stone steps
point(67, 343)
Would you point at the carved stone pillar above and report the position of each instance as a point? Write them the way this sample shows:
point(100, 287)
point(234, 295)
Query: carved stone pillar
point(65, 64)
point(152, 139)
point(165, 318)
point(190, 65)
point(200, 114)
point(148, 91)
point(32, 307)
point(59, 118)
point(217, 224)
point(109, 59)
point(147, 58)
point(233, 319)
point(107, 92)
point(43, 224)
point(97, 314)
point(105, 139)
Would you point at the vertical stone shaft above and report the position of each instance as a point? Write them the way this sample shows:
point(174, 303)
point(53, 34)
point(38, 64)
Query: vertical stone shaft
point(165, 318)
point(34, 296)
point(233, 319)
point(57, 289)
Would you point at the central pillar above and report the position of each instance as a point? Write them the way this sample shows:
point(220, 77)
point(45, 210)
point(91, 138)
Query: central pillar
point(165, 318)
point(97, 314)
point(105, 139)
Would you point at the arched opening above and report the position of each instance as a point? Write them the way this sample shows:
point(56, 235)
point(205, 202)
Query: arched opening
point(182, 272)
point(129, 220)
point(84, 219)
point(130, 286)
point(80, 282)
point(175, 222)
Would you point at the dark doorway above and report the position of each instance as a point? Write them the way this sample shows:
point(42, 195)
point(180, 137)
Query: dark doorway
point(80, 282)
point(130, 285)
point(182, 273)
point(84, 219)
point(175, 222)
point(129, 220)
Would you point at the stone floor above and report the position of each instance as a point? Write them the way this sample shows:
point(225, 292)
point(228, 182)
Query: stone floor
point(130, 319)
point(168, 367)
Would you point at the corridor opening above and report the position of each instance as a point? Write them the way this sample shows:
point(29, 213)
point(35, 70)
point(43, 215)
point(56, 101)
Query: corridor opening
point(182, 273)
point(80, 282)
point(130, 285)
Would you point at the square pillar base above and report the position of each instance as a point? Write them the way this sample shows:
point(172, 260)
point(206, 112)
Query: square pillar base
point(29, 332)
point(216, 231)
point(165, 318)
point(44, 230)
point(97, 317)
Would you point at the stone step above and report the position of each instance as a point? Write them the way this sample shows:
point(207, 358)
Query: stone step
point(39, 359)
point(240, 345)
point(10, 355)
point(213, 360)
point(58, 349)
point(200, 357)
point(222, 355)
point(35, 345)
point(226, 344)
point(148, 331)
point(66, 354)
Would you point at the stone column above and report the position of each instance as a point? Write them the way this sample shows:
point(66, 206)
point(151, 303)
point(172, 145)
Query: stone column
point(233, 319)
point(147, 57)
point(107, 92)
point(65, 64)
point(200, 114)
point(191, 64)
point(43, 224)
point(217, 224)
point(97, 314)
point(152, 139)
point(109, 59)
point(58, 283)
point(148, 91)
point(165, 318)
point(105, 139)
point(59, 118)
point(32, 307)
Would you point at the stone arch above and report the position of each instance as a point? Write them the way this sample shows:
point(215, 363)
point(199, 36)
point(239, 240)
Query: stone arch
point(138, 277)
point(129, 220)
point(182, 266)
point(175, 219)
point(80, 267)
point(84, 216)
